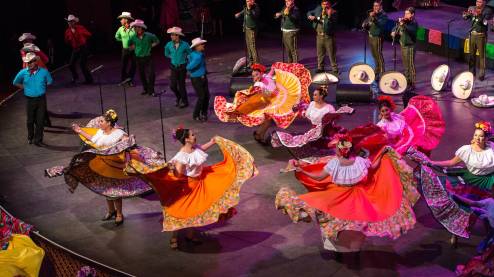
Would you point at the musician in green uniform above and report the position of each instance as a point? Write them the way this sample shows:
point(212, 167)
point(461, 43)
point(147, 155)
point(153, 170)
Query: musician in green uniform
point(324, 22)
point(290, 25)
point(375, 24)
point(406, 30)
point(251, 13)
point(479, 16)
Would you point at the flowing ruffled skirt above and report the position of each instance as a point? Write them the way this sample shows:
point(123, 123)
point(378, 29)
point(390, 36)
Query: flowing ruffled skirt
point(292, 82)
point(425, 125)
point(194, 202)
point(381, 205)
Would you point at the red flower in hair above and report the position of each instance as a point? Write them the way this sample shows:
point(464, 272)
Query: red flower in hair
point(387, 99)
point(484, 126)
point(258, 67)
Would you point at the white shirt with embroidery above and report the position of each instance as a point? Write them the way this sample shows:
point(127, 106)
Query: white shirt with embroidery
point(478, 163)
point(348, 175)
point(100, 139)
point(194, 161)
point(315, 114)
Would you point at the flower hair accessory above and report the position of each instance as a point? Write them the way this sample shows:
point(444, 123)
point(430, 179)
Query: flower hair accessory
point(258, 67)
point(112, 114)
point(174, 132)
point(386, 99)
point(484, 126)
point(343, 141)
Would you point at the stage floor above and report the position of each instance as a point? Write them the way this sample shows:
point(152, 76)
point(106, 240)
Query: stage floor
point(259, 241)
point(438, 19)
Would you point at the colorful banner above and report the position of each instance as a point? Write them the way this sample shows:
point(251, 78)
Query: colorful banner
point(489, 51)
point(421, 34)
point(435, 37)
point(453, 42)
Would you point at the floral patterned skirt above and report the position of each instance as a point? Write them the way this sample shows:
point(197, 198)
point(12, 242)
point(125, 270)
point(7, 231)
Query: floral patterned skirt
point(381, 205)
point(292, 81)
point(194, 202)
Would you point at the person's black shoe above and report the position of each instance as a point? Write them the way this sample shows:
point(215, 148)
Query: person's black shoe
point(183, 105)
point(481, 78)
point(177, 103)
point(144, 93)
point(154, 94)
point(30, 141)
point(39, 143)
point(109, 216)
point(203, 118)
point(319, 70)
point(131, 84)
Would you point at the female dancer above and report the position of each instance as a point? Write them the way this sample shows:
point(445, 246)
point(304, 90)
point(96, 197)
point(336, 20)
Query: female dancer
point(350, 193)
point(272, 97)
point(101, 168)
point(321, 114)
point(419, 124)
point(193, 194)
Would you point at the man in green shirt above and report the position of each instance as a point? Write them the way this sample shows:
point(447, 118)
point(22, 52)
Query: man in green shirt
point(123, 34)
point(142, 44)
point(375, 24)
point(290, 25)
point(251, 14)
point(324, 22)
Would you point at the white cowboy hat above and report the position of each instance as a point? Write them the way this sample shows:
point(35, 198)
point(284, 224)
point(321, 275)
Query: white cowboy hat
point(440, 77)
point(361, 73)
point(325, 79)
point(483, 101)
point(126, 15)
point(239, 64)
point(29, 57)
point(175, 30)
point(138, 23)
point(197, 41)
point(393, 82)
point(25, 36)
point(72, 17)
point(30, 47)
point(462, 85)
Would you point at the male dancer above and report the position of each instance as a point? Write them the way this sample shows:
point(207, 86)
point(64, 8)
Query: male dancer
point(178, 50)
point(142, 44)
point(123, 34)
point(76, 36)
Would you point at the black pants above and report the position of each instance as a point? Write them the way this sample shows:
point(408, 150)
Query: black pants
point(146, 73)
point(81, 56)
point(128, 56)
point(177, 83)
point(36, 113)
point(200, 85)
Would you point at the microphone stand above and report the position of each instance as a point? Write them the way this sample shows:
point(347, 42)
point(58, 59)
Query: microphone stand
point(162, 126)
point(99, 84)
point(123, 84)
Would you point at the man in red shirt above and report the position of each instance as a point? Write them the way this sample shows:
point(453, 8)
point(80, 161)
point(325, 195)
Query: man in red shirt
point(76, 36)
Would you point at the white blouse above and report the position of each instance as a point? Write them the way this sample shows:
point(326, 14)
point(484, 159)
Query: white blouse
point(478, 163)
point(315, 114)
point(393, 128)
point(347, 175)
point(194, 162)
point(267, 84)
point(100, 139)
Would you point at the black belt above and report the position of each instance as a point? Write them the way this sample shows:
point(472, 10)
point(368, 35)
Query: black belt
point(37, 97)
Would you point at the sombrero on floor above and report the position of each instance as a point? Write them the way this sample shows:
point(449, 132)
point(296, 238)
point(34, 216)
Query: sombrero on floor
point(440, 77)
point(462, 85)
point(393, 82)
point(361, 73)
point(483, 101)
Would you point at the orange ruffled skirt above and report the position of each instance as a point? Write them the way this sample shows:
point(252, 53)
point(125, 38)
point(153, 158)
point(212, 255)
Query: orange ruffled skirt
point(380, 205)
point(193, 202)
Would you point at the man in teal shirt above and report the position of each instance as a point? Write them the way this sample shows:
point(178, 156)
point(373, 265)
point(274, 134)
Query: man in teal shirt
point(142, 44)
point(34, 80)
point(123, 34)
point(178, 50)
point(199, 80)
